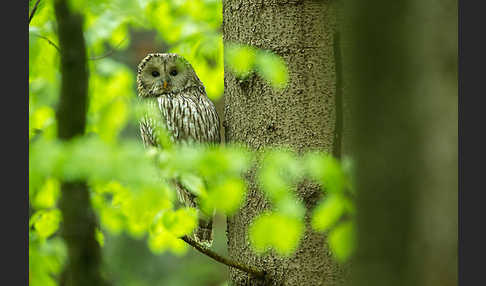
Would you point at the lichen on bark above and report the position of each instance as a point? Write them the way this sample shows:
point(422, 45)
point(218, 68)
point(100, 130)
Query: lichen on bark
point(302, 117)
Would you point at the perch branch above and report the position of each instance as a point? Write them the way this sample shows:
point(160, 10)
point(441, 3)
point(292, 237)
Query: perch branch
point(249, 269)
point(33, 10)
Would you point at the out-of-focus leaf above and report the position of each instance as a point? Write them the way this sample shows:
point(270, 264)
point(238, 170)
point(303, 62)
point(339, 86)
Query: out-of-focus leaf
point(327, 171)
point(328, 212)
point(180, 222)
point(100, 238)
point(342, 241)
point(193, 183)
point(272, 68)
point(46, 260)
point(290, 206)
point(46, 222)
point(280, 170)
point(225, 197)
point(164, 240)
point(240, 59)
point(273, 230)
point(47, 195)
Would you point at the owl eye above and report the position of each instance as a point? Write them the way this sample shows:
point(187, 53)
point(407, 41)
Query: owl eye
point(173, 72)
point(155, 73)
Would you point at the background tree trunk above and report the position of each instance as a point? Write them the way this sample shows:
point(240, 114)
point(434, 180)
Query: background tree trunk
point(79, 220)
point(404, 95)
point(302, 117)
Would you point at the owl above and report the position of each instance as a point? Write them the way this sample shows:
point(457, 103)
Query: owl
point(169, 83)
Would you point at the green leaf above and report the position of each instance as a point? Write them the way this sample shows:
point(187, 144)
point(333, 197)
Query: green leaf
point(225, 197)
point(193, 183)
point(272, 68)
point(328, 212)
point(291, 206)
point(326, 170)
point(100, 238)
point(161, 241)
point(46, 222)
point(280, 170)
point(181, 222)
point(342, 241)
point(277, 231)
point(112, 219)
point(46, 260)
point(240, 59)
point(47, 195)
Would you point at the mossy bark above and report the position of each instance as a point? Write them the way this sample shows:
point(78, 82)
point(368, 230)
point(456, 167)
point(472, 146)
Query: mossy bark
point(302, 117)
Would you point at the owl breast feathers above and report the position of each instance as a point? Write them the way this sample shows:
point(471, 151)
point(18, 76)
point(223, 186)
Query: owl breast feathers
point(168, 83)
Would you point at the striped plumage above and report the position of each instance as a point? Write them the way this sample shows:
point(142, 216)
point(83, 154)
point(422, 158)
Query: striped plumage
point(168, 83)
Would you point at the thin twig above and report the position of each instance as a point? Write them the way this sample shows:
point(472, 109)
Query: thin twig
point(249, 269)
point(49, 41)
point(90, 58)
point(109, 52)
point(33, 10)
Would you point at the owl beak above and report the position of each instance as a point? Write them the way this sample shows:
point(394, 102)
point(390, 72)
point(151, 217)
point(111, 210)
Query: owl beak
point(165, 84)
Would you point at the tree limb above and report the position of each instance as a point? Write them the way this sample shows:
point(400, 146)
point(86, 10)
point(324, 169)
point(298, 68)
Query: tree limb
point(249, 269)
point(49, 41)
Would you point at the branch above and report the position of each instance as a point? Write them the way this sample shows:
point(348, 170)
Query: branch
point(91, 58)
point(49, 41)
point(33, 10)
point(249, 269)
point(109, 52)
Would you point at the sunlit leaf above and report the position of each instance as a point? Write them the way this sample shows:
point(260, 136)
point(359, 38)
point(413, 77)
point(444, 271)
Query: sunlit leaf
point(273, 230)
point(46, 222)
point(180, 222)
point(193, 183)
point(272, 68)
point(46, 260)
point(47, 195)
point(100, 238)
point(328, 212)
point(342, 241)
point(240, 59)
point(326, 170)
point(225, 197)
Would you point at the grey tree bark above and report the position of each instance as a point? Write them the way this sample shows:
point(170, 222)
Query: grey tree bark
point(404, 94)
point(302, 116)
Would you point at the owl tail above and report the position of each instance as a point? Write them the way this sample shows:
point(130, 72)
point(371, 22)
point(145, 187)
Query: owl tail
point(204, 232)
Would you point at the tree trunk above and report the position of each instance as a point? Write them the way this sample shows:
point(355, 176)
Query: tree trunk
point(79, 220)
point(302, 117)
point(404, 94)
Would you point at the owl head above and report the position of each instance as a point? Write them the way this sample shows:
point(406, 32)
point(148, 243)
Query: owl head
point(165, 74)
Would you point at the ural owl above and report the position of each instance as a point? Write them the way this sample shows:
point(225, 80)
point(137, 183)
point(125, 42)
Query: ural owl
point(169, 82)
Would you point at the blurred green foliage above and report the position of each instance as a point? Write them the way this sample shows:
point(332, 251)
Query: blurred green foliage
point(243, 60)
point(130, 186)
